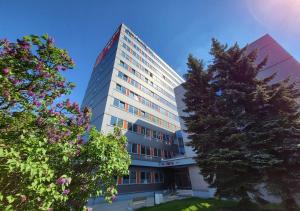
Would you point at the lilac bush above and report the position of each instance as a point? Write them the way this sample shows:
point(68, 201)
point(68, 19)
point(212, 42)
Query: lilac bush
point(44, 163)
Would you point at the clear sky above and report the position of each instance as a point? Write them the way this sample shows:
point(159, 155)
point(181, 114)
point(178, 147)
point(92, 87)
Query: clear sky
point(172, 28)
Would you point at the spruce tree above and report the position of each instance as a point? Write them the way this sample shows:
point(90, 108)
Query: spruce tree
point(245, 130)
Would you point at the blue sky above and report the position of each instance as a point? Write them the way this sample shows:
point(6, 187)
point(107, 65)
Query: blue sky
point(172, 28)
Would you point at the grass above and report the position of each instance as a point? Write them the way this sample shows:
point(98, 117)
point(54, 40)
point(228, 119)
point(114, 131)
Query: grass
point(198, 204)
point(193, 204)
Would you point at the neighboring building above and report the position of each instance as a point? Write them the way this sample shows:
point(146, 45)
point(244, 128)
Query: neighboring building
point(279, 61)
point(133, 88)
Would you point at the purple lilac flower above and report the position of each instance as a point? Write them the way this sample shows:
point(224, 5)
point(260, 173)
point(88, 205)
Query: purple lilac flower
point(5, 71)
point(113, 197)
point(66, 192)
point(61, 181)
point(37, 103)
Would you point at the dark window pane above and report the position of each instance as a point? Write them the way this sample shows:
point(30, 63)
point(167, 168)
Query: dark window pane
point(134, 148)
point(129, 126)
point(126, 179)
point(132, 177)
point(143, 150)
point(120, 123)
point(148, 150)
point(116, 102)
point(113, 120)
point(135, 128)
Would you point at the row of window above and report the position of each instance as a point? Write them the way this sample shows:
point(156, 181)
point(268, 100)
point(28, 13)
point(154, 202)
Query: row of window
point(150, 52)
point(149, 151)
point(146, 102)
point(133, 61)
point(145, 79)
point(142, 177)
point(138, 112)
point(145, 62)
point(145, 90)
point(149, 133)
point(98, 73)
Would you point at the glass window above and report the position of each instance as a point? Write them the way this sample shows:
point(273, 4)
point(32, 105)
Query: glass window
point(143, 150)
point(143, 113)
point(120, 123)
point(159, 152)
point(148, 151)
point(122, 105)
point(147, 132)
point(135, 128)
point(126, 179)
point(129, 126)
point(155, 153)
point(148, 177)
point(143, 130)
point(134, 148)
point(116, 102)
point(131, 109)
point(118, 86)
point(136, 111)
point(131, 94)
point(154, 134)
point(161, 177)
point(156, 176)
point(143, 177)
point(113, 120)
point(132, 177)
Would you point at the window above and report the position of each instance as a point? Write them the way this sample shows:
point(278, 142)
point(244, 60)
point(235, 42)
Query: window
point(131, 94)
point(147, 132)
point(122, 105)
point(143, 113)
point(132, 176)
point(154, 134)
point(159, 152)
point(118, 86)
point(126, 179)
point(116, 102)
point(134, 148)
point(120, 123)
point(136, 111)
point(161, 177)
point(156, 177)
point(129, 126)
point(135, 128)
point(143, 130)
point(155, 153)
point(148, 151)
point(113, 120)
point(145, 177)
point(143, 150)
point(131, 109)
point(148, 177)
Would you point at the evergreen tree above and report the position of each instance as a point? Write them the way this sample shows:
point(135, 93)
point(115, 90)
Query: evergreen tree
point(245, 130)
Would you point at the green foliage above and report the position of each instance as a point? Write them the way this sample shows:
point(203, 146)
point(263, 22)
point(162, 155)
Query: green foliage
point(44, 163)
point(245, 130)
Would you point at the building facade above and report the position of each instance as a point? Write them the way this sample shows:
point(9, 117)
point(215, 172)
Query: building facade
point(133, 88)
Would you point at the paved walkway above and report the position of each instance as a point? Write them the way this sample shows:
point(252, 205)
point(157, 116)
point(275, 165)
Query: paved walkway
point(123, 203)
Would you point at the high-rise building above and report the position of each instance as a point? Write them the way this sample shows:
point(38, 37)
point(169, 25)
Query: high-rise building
point(133, 88)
